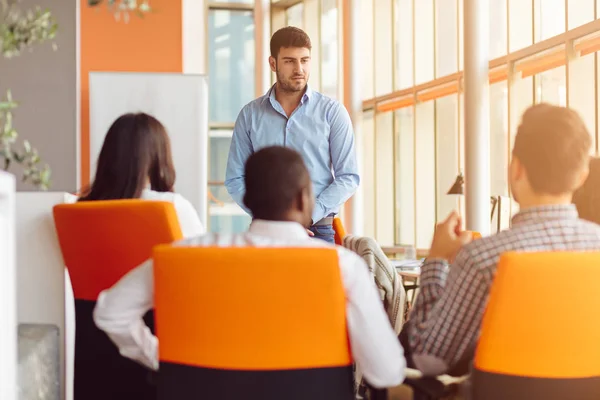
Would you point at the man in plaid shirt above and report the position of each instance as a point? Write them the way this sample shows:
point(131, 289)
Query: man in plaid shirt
point(549, 162)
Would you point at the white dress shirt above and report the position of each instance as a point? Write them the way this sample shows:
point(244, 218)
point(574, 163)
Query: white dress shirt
point(186, 213)
point(374, 344)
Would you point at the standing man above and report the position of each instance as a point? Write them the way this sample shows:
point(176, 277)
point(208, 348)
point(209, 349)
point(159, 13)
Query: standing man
point(290, 114)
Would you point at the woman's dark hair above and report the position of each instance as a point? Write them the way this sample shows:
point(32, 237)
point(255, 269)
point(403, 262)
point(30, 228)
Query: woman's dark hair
point(136, 149)
point(587, 197)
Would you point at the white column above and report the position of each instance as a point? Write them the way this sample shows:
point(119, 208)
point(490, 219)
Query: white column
point(194, 23)
point(8, 289)
point(353, 101)
point(477, 123)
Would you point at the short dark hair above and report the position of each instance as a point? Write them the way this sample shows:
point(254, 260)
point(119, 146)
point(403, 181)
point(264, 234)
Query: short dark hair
point(587, 198)
point(136, 149)
point(274, 177)
point(290, 36)
point(553, 145)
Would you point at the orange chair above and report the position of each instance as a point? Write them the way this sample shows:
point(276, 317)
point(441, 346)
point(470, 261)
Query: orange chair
point(340, 232)
point(535, 342)
point(251, 323)
point(475, 235)
point(100, 242)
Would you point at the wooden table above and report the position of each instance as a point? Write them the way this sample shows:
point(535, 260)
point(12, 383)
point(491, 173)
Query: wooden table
point(410, 276)
point(393, 251)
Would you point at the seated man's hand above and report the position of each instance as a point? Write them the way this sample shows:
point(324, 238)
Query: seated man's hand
point(448, 238)
point(310, 233)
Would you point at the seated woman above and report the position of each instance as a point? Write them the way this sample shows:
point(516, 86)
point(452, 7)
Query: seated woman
point(135, 163)
point(587, 198)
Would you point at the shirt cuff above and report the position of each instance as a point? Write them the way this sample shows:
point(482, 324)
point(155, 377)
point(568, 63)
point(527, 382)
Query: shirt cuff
point(434, 271)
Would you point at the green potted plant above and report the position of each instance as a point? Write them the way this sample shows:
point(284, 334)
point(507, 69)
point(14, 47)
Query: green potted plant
point(21, 30)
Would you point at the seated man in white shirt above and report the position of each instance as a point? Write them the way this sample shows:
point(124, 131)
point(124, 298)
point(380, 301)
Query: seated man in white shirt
point(279, 194)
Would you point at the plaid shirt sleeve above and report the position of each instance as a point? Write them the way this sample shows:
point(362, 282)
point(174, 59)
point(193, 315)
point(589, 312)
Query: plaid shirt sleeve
point(447, 313)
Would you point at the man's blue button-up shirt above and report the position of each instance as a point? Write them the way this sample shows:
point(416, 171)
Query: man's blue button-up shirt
point(320, 129)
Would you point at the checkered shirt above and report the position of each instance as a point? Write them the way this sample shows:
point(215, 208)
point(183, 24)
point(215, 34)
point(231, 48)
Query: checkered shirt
point(446, 318)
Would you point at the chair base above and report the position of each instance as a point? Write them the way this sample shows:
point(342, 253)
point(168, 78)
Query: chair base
point(182, 382)
point(101, 373)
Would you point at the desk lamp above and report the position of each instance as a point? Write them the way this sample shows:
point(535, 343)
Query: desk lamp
point(458, 188)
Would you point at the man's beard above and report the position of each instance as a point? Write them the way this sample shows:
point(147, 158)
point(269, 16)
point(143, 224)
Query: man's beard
point(290, 87)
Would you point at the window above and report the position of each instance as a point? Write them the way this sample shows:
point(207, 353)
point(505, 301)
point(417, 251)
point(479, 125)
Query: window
point(405, 176)
point(549, 18)
point(225, 215)
point(521, 99)
point(498, 24)
point(424, 41)
point(446, 37)
point(312, 13)
point(428, 143)
point(461, 35)
point(499, 152)
point(329, 48)
point(520, 19)
point(367, 49)
point(368, 171)
point(580, 12)
point(446, 153)
point(383, 47)
point(231, 63)
point(582, 96)
point(384, 178)
point(295, 15)
point(425, 174)
point(551, 87)
point(403, 23)
point(232, 85)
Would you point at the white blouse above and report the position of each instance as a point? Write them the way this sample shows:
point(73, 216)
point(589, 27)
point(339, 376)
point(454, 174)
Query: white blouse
point(186, 213)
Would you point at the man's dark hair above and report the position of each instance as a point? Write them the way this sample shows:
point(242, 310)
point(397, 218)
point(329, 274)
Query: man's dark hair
point(290, 36)
point(553, 145)
point(274, 178)
point(587, 198)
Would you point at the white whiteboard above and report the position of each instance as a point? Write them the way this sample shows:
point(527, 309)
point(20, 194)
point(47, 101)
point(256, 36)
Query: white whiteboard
point(179, 101)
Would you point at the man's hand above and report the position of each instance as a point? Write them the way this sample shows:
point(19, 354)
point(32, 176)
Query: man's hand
point(310, 233)
point(448, 238)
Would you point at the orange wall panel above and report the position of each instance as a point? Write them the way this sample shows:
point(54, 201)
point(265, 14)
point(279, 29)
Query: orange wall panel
point(149, 44)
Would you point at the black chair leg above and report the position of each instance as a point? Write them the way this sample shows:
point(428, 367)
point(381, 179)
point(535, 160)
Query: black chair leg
point(376, 394)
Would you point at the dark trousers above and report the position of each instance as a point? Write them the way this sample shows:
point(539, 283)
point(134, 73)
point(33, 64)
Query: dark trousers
point(324, 232)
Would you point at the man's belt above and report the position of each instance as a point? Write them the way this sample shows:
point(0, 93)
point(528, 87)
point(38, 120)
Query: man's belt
point(324, 222)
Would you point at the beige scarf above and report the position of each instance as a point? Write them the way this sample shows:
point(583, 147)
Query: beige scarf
point(388, 282)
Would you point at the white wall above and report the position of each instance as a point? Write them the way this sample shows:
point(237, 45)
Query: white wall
point(8, 307)
point(40, 268)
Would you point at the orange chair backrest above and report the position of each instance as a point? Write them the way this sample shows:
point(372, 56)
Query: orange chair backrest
point(340, 231)
point(532, 328)
point(103, 240)
point(250, 308)
point(475, 235)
